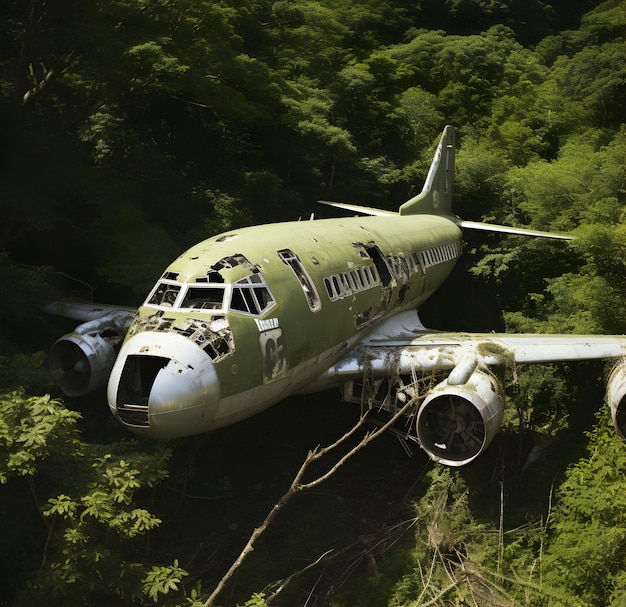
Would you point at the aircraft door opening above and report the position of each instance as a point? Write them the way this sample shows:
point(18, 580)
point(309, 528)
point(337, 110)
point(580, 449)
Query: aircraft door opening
point(381, 265)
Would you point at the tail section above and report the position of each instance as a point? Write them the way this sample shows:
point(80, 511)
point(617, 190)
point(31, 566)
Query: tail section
point(436, 195)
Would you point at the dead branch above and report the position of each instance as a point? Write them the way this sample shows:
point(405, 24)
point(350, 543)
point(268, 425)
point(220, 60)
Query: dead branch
point(282, 584)
point(39, 83)
point(297, 486)
point(440, 594)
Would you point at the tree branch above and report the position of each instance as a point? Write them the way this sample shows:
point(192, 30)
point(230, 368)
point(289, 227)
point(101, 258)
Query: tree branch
point(297, 486)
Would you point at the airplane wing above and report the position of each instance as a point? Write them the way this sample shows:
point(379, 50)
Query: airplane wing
point(468, 225)
point(493, 227)
point(460, 403)
point(402, 344)
point(86, 311)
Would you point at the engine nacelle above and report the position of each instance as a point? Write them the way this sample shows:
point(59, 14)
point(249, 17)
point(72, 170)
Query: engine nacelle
point(86, 356)
point(85, 361)
point(456, 423)
point(616, 397)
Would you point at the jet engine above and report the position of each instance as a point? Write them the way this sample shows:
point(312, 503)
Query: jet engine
point(616, 397)
point(85, 357)
point(456, 423)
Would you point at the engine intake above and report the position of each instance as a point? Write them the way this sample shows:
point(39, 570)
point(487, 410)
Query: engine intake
point(616, 398)
point(86, 356)
point(84, 360)
point(456, 423)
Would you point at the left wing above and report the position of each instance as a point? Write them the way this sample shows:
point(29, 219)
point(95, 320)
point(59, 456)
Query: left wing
point(88, 311)
point(459, 402)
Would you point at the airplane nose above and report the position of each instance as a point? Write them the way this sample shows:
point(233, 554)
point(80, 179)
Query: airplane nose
point(163, 386)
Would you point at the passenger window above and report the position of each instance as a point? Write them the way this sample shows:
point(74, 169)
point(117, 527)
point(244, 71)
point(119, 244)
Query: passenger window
point(337, 286)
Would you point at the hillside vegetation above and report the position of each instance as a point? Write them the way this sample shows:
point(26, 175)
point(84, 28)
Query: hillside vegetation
point(132, 129)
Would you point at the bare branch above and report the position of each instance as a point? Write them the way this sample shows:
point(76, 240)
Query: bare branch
point(282, 584)
point(297, 486)
point(39, 84)
point(441, 594)
point(368, 438)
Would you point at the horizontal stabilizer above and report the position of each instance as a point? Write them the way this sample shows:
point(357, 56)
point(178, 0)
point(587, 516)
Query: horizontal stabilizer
point(490, 227)
point(357, 209)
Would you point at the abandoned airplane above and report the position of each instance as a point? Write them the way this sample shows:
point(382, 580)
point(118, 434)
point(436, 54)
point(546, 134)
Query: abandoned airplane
point(245, 318)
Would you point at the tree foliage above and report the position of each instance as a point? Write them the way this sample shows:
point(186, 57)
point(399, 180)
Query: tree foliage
point(133, 129)
point(87, 509)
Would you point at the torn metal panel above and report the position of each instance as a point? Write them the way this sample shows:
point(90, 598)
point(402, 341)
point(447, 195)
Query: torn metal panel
point(232, 261)
point(214, 335)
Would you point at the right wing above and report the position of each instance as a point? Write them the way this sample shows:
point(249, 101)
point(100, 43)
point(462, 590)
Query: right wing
point(458, 401)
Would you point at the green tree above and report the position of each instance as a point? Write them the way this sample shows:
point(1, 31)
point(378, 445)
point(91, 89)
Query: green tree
point(584, 561)
point(92, 529)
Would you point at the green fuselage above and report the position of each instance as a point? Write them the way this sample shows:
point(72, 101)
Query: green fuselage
point(275, 305)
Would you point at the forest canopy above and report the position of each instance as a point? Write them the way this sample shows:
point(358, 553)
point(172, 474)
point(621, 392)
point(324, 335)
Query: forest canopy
point(132, 129)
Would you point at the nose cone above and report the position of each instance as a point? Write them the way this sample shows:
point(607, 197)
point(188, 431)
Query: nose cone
point(163, 386)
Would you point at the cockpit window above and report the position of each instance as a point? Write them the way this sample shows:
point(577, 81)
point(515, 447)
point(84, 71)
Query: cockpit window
point(251, 296)
point(204, 298)
point(194, 297)
point(165, 294)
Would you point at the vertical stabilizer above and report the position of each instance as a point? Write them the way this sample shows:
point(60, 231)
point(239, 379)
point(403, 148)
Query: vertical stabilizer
point(436, 195)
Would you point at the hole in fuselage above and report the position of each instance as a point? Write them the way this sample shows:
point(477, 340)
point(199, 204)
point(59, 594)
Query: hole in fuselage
point(138, 378)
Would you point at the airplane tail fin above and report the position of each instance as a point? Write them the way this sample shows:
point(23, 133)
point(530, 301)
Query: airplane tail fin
point(436, 195)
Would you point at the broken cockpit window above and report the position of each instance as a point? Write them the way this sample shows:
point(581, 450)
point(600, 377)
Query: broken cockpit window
point(164, 294)
point(208, 297)
point(251, 296)
point(194, 297)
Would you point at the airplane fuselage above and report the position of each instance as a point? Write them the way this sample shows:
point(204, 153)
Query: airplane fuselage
point(244, 319)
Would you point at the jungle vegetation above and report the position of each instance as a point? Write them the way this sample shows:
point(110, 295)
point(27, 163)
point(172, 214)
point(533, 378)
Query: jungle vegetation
point(131, 129)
